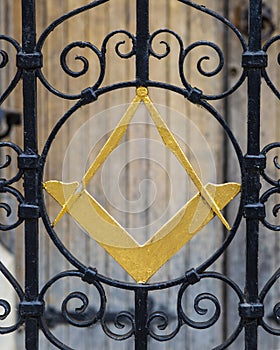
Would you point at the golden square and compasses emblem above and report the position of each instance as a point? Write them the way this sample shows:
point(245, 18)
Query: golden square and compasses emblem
point(142, 261)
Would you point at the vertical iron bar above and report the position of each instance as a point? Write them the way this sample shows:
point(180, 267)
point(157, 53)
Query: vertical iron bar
point(141, 314)
point(142, 37)
point(30, 175)
point(226, 155)
point(253, 176)
point(142, 76)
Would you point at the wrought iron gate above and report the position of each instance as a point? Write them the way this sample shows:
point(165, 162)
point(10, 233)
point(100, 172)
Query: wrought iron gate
point(31, 165)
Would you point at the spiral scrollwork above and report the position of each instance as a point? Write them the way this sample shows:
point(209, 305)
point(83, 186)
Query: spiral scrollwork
point(5, 306)
point(276, 163)
point(119, 44)
point(164, 54)
point(274, 182)
point(275, 210)
point(276, 312)
point(7, 162)
point(101, 55)
point(78, 73)
point(184, 52)
point(160, 321)
point(200, 68)
point(199, 310)
point(83, 59)
point(265, 151)
point(265, 73)
point(7, 208)
point(3, 53)
point(42, 39)
point(276, 309)
point(79, 317)
point(4, 60)
point(6, 309)
point(123, 320)
point(82, 316)
point(119, 53)
point(202, 311)
point(217, 49)
point(166, 45)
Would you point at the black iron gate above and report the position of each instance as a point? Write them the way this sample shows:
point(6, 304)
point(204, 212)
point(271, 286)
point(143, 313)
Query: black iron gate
point(31, 203)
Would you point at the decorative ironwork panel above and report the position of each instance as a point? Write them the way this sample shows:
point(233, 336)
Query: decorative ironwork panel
point(75, 201)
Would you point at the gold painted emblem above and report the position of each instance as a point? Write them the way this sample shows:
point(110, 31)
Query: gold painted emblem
point(142, 261)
